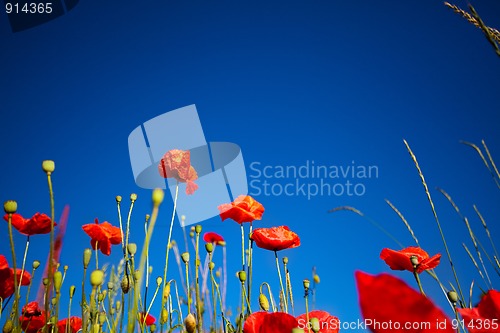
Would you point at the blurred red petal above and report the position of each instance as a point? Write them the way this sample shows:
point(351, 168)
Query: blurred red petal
point(486, 316)
point(273, 322)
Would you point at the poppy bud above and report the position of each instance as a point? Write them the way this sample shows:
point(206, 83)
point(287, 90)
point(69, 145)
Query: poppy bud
point(209, 247)
point(211, 265)
point(133, 197)
point(185, 257)
point(118, 305)
point(137, 275)
point(118, 198)
point(57, 281)
point(65, 268)
point(53, 301)
point(72, 291)
point(8, 326)
point(190, 323)
point(35, 264)
point(45, 281)
point(48, 166)
point(125, 284)
point(10, 206)
point(166, 291)
point(95, 328)
point(111, 285)
point(102, 318)
point(306, 284)
point(132, 249)
point(192, 228)
point(197, 229)
point(453, 296)
point(96, 278)
point(191, 234)
point(242, 275)
point(263, 302)
point(314, 324)
point(285, 260)
point(87, 254)
point(414, 261)
point(316, 278)
point(158, 196)
point(163, 316)
point(152, 328)
point(159, 280)
point(101, 297)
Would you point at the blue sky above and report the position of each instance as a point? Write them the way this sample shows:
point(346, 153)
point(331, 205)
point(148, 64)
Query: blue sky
point(289, 81)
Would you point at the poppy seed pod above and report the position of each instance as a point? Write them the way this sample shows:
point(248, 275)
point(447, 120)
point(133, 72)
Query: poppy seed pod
point(102, 318)
point(96, 278)
point(159, 280)
point(118, 198)
point(133, 197)
point(125, 284)
point(185, 257)
point(285, 260)
point(132, 249)
point(414, 261)
point(453, 296)
point(158, 196)
point(209, 247)
point(190, 323)
point(197, 229)
point(263, 302)
point(48, 166)
point(87, 254)
point(10, 206)
point(57, 281)
point(35, 264)
point(242, 275)
point(211, 265)
point(163, 316)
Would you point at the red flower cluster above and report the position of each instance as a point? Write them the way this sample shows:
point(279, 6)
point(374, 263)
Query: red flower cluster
point(32, 320)
point(177, 164)
point(36, 225)
point(103, 236)
point(7, 278)
point(280, 322)
point(401, 260)
point(327, 323)
point(486, 316)
point(275, 238)
point(243, 209)
point(74, 324)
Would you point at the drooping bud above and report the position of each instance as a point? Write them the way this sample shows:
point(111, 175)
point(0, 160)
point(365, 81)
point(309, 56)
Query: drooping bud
point(190, 323)
point(10, 207)
point(263, 302)
point(48, 166)
point(96, 278)
point(87, 254)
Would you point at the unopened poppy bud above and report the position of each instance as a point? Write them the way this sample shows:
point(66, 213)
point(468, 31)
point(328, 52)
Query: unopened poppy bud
point(10, 207)
point(100, 297)
point(133, 197)
point(8, 327)
point(242, 275)
point(414, 261)
point(306, 284)
point(152, 328)
point(95, 328)
point(111, 285)
point(163, 316)
point(158, 196)
point(125, 284)
point(191, 234)
point(45, 282)
point(53, 301)
point(72, 291)
point(285, 260)
point(209, 247)
point(263, 302)
point(314, 324)
point(57, 281)
point(132, 249)
point(190, 323)
point(197, 229)
point(316, 278)
point(96, 278)
point(118, 198)
point(192, 228)
point(137, 275)
point(211, 265)
point(102, 318)
point(65, 268)
point(118, 305)
point(185, 257)
point(159, 280)
point(87, 254)
point(48, 166)
point(166, 291)
point(453, 296)
point(35, 264)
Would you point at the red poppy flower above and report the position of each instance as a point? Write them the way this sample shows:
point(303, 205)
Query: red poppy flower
point(486, 316)
point(388, 304)
point(103, 235)
point(275, 238)
point(401, 260)
point(327, 322)
point(7, 278)
point(74, 325)
point(270, 322)
point(243, 209)
point(212, 237)
point(36, 225)
point(32, 319)
point(148, 321)
point(177, 164)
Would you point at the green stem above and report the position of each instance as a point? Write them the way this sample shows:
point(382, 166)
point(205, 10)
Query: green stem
point(281, 281)
point(15, 307)
point(188, 288)
point(197, 282)
point(417, 278)
point(242, 247)
point(250, 257)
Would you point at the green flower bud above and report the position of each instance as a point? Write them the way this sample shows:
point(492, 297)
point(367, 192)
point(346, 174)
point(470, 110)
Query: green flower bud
point(163, 316)
point(159, 280)
point(190, 323)
point(132, 249)
point(242, 275)
point(197, 229)
point(166, 291)
point(125, 284)
point(118, 305)
point(96, 278)
point(285, 260)
point(316, 278)
point(35, 264)
point(133, 197)
point(158, 196)
point(152, 328)
point(118, 198)
point(137, 275)
point(453, 296)
point(45, 282)
point(185, 257)
point(100, 297)
point(209, 247)
point(102, 318)
point(111, 285)
point(414, 261)
point(53, 301)
point(72, 291)
point(191, 234)
point(147, 217)
point(8, 327)
point(10, 207)
point(87, 254)
point(211, 265)
point(48, 166)
point(263, 302)
point(306, 284)
point(57, 281)
point(314, 324)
